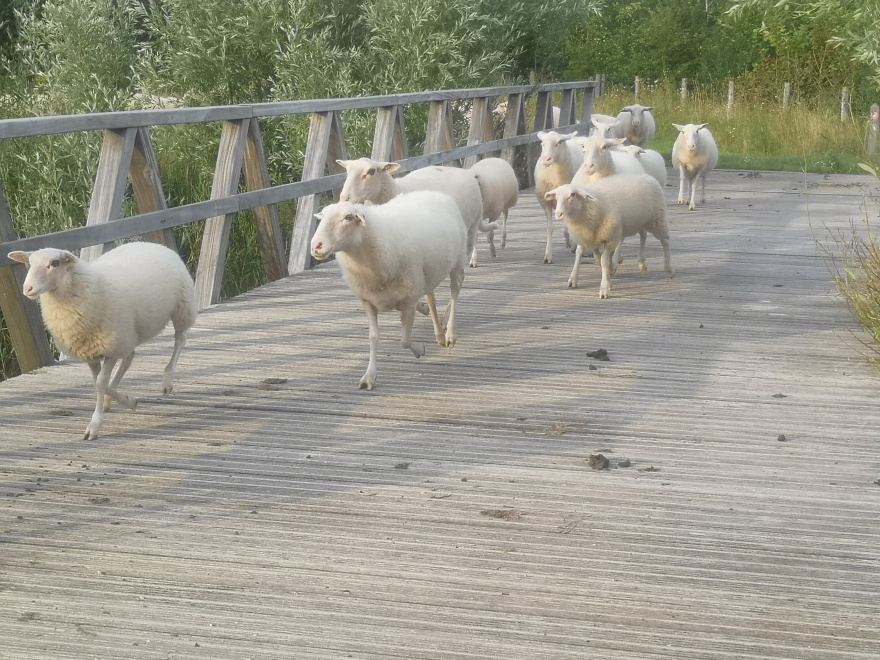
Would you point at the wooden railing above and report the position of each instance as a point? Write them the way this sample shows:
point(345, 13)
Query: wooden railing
point(128, 154)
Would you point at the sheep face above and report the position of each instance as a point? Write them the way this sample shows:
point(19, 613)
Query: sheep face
point(691, 134)
point(48, 270)
point(569, 200)
point(596, 153)
point(635, 112)
point(340, 230)
point(553, 146)
point(604, 129)
point(367, 180)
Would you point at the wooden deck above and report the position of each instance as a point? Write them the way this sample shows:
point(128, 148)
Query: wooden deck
point(451, 513)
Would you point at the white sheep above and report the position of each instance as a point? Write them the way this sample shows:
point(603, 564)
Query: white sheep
point(499, 188)
point(601, 159)
point(637, 124)
point(652, 161)
point(559, 161)
point(601, 215)
point(100, 311)
point(500, 111)
point(604, 126)
point(368, 180)
point(694, 154)
point(392, 254)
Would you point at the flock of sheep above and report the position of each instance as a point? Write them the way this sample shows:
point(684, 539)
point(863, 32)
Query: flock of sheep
point(395, 240)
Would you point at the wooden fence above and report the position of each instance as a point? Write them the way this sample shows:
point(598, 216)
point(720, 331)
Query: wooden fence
point(128, 154)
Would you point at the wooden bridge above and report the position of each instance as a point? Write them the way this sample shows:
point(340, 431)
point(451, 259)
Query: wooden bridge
point(269, 509)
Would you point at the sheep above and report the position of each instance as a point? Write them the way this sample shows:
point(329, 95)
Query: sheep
point(637, 124)
point(499, 188)
point(604, 126)
point(394, 253)
point(652, 161)
point(694, 154)
point(559, 161)
point(601, 215)
point(371, 181)
point(500, 111)
point(100, 311)
point(601, 160)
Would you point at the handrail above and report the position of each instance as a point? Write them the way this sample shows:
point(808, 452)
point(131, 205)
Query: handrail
point(128, 154)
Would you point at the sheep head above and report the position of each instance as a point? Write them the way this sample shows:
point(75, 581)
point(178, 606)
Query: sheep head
point(635, 112)
point(367, 180)
point(596, 154)
point(690, 134)
point(568, 199)
point(48, 270)
point(553, 146)
point(340, 229)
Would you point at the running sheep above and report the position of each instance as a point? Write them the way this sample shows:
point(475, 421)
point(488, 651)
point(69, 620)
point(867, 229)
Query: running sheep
point(694, 155)
point(499, 189)
point(393, 254)
point(559, 161)
point(100, 311)
point(601, 215)
point(368, 180)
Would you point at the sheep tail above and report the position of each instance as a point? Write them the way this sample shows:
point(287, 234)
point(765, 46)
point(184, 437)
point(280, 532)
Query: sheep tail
point(487, 227)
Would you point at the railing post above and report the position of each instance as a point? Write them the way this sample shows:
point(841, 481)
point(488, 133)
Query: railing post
point(317, 149)
point(389, 139)
point(481, 126)
point(440, 135)
point(637, 87)
point(731, 91)
point(23, 318)
point(256, 174)
point(215, 240)
point(146, 184)
point(844, 104)
point(786, 95)
point(110, 183)
point(873, 131)
point(587, 104)
point(336, 149)
point(544, 111)
point(568, 108)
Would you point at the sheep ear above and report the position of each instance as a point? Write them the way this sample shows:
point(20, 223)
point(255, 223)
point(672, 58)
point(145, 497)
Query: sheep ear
point(617, 141)
point(647, 108)
point(20, 257)
point(344, 163)
point(642, 151)
point(580, 193)
point(357, 217)
point(391, 168)
point(679, 127)
point(628, 108)
point(68, 257)
point(542, 135)
point(702, 126)
point(579, 140)
point(550, 196)
point(567, 136)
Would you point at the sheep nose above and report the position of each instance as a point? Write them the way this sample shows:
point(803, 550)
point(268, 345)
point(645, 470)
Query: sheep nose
point(546, 160)
point(317, 247)
point(28, 289)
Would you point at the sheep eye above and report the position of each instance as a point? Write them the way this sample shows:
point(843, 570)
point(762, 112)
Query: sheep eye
point(55, 263)
point(371, 171)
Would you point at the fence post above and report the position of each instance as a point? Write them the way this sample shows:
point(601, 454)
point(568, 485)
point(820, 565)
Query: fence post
point(731, 91)
point(874, 131)
point(146, 184)
point(786, 95)
point(637, 87)
point(480, 128)
point(684, 88)
point(844, 104)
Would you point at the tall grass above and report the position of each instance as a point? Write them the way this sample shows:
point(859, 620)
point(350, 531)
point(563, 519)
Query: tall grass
point(755, 134)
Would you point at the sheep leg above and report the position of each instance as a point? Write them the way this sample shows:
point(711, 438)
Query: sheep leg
point(703, 189)
point(643, 237)
point(168, 376)
point(95, 368)
point(407, 317)
point(573, 279)
point(605, 285)
point(567, 238)
point(101, 383)
point(681, 185)
point(504, 230)
point(490, 238)
point(438, 329)
point(597, 257)
point(548, 251)
point(369, 378)
point(667, 265)
point(692, 206)
point(472, 245)
point(456, 279)
point(113, 393)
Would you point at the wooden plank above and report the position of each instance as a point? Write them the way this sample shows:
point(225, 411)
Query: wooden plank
point(22, 315)
point(215, 241)
point(314, 165)
point(543, 112)
point(110, 182)
point(37, 126)
point(514, 123)
point(439, 135)
point(389, 138)
point(480, 130)
point(336, 149)
point(146, 183)
point(256, 171)
point(587, 104)
point(567, 108)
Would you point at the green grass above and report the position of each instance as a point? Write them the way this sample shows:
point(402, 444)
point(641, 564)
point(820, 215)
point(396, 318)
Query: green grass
point(754, 135)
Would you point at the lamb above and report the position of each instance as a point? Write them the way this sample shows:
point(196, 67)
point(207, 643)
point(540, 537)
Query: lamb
point(393, 254)
point(602, 160)
point(100, 311)
point(637, 124)
point(371, 181)
point(559, 161)
point(652, 161)
point(499, 189)
point(601, 215)
point(694, 154)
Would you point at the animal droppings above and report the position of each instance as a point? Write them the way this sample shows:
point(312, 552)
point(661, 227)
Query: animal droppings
point(598, 462)
point(781, 437)
point(600, 354)
point(503, 514)
point(274, 381)
point(779, 395)
point(624, 463)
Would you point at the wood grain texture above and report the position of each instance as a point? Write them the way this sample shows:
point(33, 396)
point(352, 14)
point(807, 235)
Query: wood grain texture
point(146, 183)
point(22, 316)
point(451, 513)
point(215, 240)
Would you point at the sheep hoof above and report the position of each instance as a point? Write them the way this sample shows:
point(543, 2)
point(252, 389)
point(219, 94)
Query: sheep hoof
point(133, 404)
point(643, 268)
point(473, 264)
point(450, 340)
point(572, 285)
point(681, 201)
point(503, 243)
point(366, 383)
point(548, 260)
point(670, 272)
point(90, 434)
point(692, 207)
